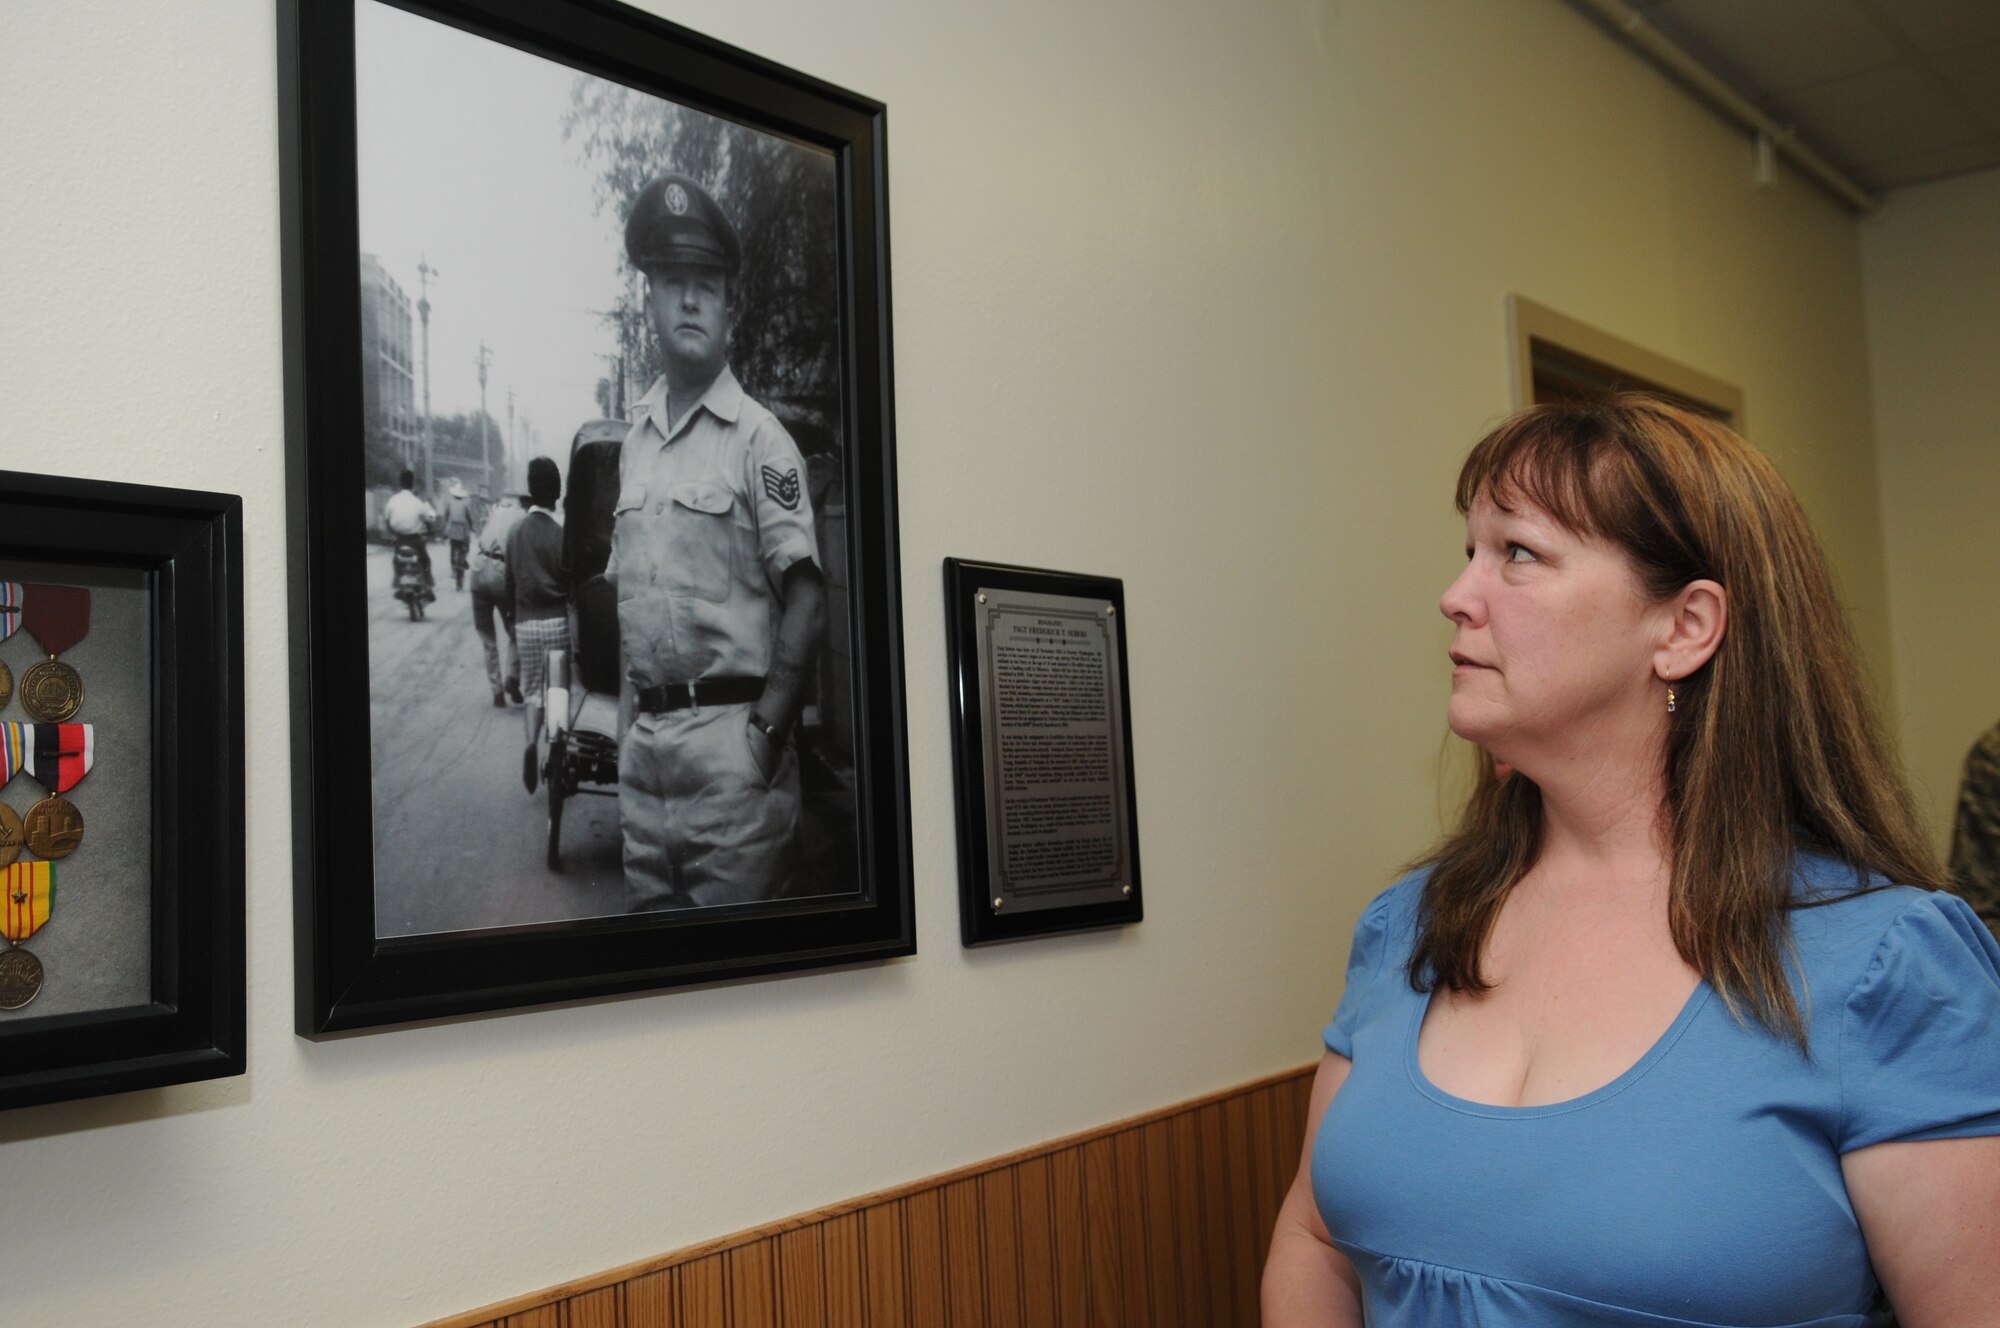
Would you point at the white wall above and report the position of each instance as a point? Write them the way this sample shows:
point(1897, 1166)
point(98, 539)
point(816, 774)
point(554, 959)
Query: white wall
point(1933, 285)
point(1232, 274)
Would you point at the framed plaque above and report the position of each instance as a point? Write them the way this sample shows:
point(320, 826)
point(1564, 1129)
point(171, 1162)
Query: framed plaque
point(1048, 827)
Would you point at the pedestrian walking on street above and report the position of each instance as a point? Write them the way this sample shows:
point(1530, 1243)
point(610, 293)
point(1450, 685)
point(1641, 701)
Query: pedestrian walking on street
point(491, 598)
point(458, 529)
point(538, 588)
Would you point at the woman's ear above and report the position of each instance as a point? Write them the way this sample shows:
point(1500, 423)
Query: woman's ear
point(1700, 617)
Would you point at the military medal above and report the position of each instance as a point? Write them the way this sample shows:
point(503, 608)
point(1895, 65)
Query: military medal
point(57, 617)
point(20, 979)
point(27, 895)
point(53, 828)
point(6, 684)
point(52, 691)
point(10, 834)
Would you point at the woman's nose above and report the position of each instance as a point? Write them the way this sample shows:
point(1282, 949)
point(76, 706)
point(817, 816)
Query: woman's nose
point(1460, 599)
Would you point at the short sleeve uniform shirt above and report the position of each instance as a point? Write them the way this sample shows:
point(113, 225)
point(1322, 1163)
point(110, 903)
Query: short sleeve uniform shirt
point(1700, 1187)
point(712, 511)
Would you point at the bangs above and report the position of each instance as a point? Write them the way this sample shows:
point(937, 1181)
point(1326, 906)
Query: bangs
point(1557, 458)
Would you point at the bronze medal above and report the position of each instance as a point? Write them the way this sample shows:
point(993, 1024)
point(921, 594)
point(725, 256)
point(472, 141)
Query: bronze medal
point(52, 691)
point(20, 978)
point(54, 827)
point(6, 684)
point(11, 838)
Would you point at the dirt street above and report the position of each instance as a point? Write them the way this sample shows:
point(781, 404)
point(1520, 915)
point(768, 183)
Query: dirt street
point(458, 843)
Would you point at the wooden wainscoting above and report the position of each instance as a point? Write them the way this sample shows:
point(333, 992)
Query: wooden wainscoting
point(1160, 1221)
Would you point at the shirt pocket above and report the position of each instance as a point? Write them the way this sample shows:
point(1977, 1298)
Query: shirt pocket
point(699, 539)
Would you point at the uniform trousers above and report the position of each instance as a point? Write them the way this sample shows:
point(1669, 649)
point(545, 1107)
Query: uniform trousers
point(702, 824)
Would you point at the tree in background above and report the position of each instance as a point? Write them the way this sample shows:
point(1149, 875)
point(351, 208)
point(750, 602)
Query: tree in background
point(462, 451)
point(781, 196)
point(381, 457)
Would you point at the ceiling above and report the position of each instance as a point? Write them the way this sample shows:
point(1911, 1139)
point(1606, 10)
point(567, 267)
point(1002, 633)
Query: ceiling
point(1890, 92)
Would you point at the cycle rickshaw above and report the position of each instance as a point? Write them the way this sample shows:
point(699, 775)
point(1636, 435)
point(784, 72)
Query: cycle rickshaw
point(580, 715)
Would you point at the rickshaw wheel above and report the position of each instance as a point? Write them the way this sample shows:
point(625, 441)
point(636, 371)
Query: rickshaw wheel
point(558, 757)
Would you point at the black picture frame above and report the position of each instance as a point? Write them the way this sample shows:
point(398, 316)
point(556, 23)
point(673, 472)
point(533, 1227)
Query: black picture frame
point(187, 548)
point(979, 922)
point(347, 976)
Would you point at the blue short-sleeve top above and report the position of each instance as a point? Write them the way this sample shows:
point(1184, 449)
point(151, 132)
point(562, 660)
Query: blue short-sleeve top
point(1703, 1185)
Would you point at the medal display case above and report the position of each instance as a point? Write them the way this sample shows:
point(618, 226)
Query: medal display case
point(121, 806)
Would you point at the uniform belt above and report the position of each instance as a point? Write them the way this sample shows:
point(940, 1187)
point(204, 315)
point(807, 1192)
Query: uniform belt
point(701, 692)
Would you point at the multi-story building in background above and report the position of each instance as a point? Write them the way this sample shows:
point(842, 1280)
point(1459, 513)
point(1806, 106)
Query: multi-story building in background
point(394, 436)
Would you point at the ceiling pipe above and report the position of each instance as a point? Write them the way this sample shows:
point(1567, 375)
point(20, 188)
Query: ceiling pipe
point(1677, 64)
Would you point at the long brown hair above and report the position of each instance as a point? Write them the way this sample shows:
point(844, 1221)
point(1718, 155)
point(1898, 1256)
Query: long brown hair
point(1774, 746)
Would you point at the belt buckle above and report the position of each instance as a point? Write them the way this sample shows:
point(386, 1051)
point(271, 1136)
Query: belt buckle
point(694, 699)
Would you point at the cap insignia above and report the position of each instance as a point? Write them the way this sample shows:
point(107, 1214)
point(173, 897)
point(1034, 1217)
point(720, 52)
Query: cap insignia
point(677, 200)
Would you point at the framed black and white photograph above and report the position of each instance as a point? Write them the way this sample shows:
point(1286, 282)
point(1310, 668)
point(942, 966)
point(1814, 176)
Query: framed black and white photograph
point(1041, 745)
point(597, 663)
point(121, 787)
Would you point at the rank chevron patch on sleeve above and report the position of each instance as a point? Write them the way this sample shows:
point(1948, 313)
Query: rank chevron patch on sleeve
point(782, 487)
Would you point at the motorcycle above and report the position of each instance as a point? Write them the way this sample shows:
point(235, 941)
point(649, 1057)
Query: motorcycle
point(409, 577)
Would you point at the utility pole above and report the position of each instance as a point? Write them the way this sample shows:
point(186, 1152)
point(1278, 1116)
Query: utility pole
point(482, 359)
point(424, 274)
point(511, 449)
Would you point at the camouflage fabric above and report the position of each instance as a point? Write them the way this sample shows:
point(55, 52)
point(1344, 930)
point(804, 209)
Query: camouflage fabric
point(1975, 830)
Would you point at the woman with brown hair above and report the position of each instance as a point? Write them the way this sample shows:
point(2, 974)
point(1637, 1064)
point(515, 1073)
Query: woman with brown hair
point(1672, 1029)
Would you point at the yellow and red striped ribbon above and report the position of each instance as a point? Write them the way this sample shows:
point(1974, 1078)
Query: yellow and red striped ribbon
point(27, 894)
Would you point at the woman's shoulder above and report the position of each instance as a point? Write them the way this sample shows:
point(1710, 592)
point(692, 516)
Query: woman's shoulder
point(1388, 926)
point(1911, 998)
point(1848, 924)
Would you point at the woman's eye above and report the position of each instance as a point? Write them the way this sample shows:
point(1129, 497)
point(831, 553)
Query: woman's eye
point(1518, 553)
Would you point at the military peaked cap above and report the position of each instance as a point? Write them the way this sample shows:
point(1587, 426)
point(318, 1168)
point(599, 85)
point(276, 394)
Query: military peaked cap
point(675, 220)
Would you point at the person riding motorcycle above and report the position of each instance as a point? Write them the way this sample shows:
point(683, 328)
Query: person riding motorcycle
point(409, 518)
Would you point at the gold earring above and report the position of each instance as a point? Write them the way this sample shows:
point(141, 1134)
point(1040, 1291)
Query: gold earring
point(1670, 698)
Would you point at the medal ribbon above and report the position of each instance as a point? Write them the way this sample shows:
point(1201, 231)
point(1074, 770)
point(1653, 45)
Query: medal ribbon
point(30, 895)
point(13, 751)
point(57, 615)
point(57, 755)
point(10, 608)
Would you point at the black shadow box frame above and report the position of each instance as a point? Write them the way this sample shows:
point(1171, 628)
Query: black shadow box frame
point(979, 924)
point(348, 976)
point(187, 548)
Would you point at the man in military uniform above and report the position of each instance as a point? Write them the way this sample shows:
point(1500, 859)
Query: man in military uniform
point(1975, 830)
point(721, 600)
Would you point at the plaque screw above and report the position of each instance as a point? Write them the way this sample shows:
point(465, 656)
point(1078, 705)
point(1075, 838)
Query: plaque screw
point(1111, 608)
point(982, 599)
point(1127, 889)
point(998, 902)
